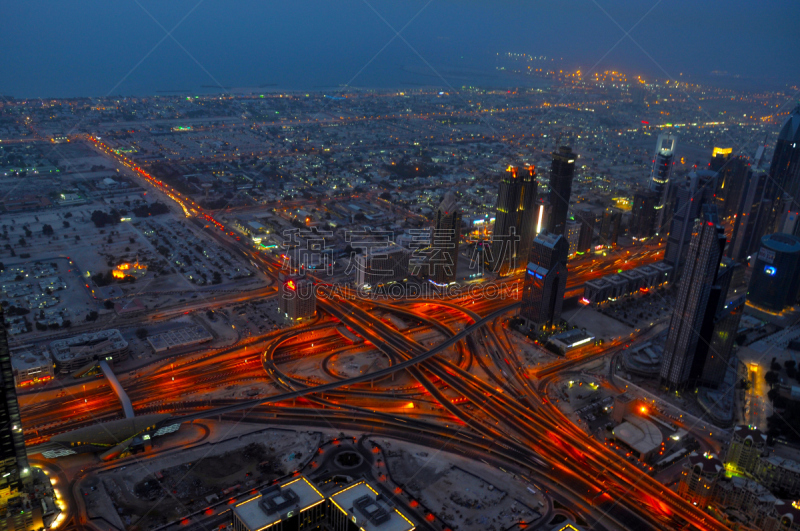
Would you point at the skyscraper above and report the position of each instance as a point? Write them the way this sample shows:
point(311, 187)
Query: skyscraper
point(298, 299)
point(692, 301)
point(609, 227)
point(775, 279)
point(573, 235)
point(784, 171)
point(661, 173)
point(587, 219)
point(515, 221)
point(731, 179)
point(690, 198)
point(379, 266)
point(720, 343)
point(444, 241)
point(561, 174)
point(751, 217)
point(644, 211)
point(14, 468)
point(719, 157)
point(545, 281)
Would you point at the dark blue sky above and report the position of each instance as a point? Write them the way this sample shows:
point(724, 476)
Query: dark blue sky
point(93, 47)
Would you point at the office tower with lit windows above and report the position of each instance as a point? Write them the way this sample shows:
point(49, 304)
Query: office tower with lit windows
point(587, 219)
point(784, 171)
point(731, 179)
point(690, 198)
point(15, 471)
point(643, 214)
point(679, 368)
point(775, 279)
point(297, 298)
point(751, 217)
point(716, 348)
point(562, 171)
point(573, 235)
point(445, 238)
point(609, 227)
point(515, 221)
point(380, 266)
point(719, 157)
point(661, 173)
point(545, 281)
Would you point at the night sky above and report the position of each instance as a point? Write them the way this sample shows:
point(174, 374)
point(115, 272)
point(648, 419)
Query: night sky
point(96, 48)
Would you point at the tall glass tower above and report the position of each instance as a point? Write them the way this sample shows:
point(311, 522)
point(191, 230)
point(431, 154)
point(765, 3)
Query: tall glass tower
point(14, 468)
point(515, 220)
point(445, 239)
point(561, 174)
point(784, 172)
point(692, 302)
point(662, 172)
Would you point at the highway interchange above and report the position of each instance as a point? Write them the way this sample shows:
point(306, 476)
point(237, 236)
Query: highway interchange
point(505, 416)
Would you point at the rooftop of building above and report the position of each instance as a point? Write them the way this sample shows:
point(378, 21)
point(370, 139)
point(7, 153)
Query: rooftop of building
point(23, 360)
point(639, 434)
point(572, 338)
point(101, 341)
point(784, 243)
point(112, 432)
point(709, 463)
point(271, 504)
point(367, 509)
point(537, 270)
point(744, 431)
point(547, 238)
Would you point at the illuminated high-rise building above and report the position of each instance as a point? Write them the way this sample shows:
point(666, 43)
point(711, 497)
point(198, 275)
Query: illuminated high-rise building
point(784, 171)
point(14, 467)
point(380, 266)
point(775, 279)
point(573, 235)
point(716, 348)
point(643, 214)
point(690, 198)
point(561, 173)
point(680, 367)
point(661, 173)
point(751, 217)
point(732, 176)
point(444, 241)
point(587, 219)
point(719, 157)
point(545, 281)
point(296, 297)
point(515, 221)
point(609, 227)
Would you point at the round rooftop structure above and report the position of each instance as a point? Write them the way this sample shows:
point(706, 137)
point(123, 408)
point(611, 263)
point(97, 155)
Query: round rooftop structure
point(774, 284)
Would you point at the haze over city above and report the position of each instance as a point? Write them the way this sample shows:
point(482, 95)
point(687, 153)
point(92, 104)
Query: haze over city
point(94, 49)
point(399, 266)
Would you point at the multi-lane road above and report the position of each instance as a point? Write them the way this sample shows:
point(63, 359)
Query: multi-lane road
point(478, 396)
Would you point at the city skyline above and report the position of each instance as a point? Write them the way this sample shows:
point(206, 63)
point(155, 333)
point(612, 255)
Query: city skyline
point(370, 266)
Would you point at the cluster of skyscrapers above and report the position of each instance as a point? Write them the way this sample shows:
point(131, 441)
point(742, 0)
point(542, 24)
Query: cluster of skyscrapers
point(763, 212)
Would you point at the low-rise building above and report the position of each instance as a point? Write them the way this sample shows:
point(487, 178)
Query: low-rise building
point(74, 352)
point(178, 338)
point(640, 435)
point(360, 507)
point(571, 340)
point(295, 504)
point(31, 366)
